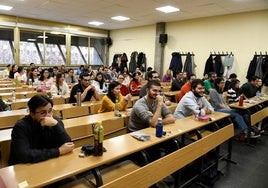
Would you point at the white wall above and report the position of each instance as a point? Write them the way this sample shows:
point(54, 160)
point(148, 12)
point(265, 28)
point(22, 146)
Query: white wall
point(243, 34)
point(140, 39)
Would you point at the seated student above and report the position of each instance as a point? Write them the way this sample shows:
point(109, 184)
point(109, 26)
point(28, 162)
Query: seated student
point(232, 76)
point(218, 103)
point(186, 87)
point(33, 76)
point(106, 75)
point(45, 81)
point(153, 75)
point(99, 83)
point(80, 70)
point(124, 89)
point(148, 109)
point(60, 87)
point(193, 101)
point(87, 90)
point(3, 105)
point(145, 113)
point(39, 136)
point(168, 76)
point(135, 84)
point(250, 88)
point(109, 100)
point(233, 92)
point(21, 75)
point(177, 83)
point(209, 83)
point(70, 78)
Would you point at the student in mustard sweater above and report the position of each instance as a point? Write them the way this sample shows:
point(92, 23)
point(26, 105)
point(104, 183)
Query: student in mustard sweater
point(109, 100)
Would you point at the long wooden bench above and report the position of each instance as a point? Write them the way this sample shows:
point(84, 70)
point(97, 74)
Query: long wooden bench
point(166, 165)
point(128, 174)
point(259, 116)
point(80, 134)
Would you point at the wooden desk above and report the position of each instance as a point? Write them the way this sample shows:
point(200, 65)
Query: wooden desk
point(59, 107)
point(257, 116)
point(173, 95)
point(53, 170)
point(78, 128)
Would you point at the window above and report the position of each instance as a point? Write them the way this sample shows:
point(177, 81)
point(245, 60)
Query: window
point(79, 50)
point(6, 46)
point(30, 51)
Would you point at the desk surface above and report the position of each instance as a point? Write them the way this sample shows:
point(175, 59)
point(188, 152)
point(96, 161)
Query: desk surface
point(53, 170)
point(254, 101)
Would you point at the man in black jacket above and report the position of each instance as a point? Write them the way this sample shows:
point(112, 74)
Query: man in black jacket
point(178, 82)
point(39, 136)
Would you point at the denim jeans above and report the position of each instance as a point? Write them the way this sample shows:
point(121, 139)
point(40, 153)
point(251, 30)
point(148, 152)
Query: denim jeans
point(241, 120)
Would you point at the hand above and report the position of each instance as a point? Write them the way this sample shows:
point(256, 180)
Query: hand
point(66, 148)
point(128, 97)
point(150, 113)
point(168, 103)
point(159, 99)
point(91, 87)
point(48, 121)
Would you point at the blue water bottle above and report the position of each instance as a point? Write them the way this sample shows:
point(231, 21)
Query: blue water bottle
point(159, 128)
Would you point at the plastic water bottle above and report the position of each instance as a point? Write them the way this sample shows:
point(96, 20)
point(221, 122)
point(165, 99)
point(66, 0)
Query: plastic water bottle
point(258, 94)
point(30, 82)
point(78, 99)
point(98, 131)
point(116, 108)
point(159, 128)
point(13, 95)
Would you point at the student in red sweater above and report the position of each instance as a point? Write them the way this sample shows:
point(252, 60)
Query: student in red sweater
point(186, 87)
point(135, 84)
point(124, 88)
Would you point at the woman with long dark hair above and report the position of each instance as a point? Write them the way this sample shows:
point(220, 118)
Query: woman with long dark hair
point(33, 75)
point(45, 81)
point(99, 83)
point(135, 85)
point(113, 95)
point(60, 88)
point(218, 103)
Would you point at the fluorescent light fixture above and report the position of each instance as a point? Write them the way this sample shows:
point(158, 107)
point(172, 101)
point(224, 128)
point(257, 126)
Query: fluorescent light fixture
point(168, 9)
point(120, 18)
point(31, 40)
point(96, 23)
point(41, 37)
point(4, 7)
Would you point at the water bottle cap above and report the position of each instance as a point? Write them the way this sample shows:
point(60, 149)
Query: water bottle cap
point(160, 119)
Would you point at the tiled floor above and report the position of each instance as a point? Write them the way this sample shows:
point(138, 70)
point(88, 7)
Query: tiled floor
point(251, 170)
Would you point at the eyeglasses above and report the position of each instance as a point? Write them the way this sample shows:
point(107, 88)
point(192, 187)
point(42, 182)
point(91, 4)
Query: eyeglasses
point(155, 76)
point(44, 112)
point(86, 80)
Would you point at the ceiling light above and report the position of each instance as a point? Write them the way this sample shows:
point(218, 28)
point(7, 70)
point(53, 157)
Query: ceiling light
point(168, 9)
point(4, 7)
point(96, 23)
point(120, 18)
point(31, 40)
point(41, 37)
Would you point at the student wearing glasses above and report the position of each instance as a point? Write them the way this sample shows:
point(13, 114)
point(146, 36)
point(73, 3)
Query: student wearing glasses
point(39, 136)
point(124, 89)
point(87, 89)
